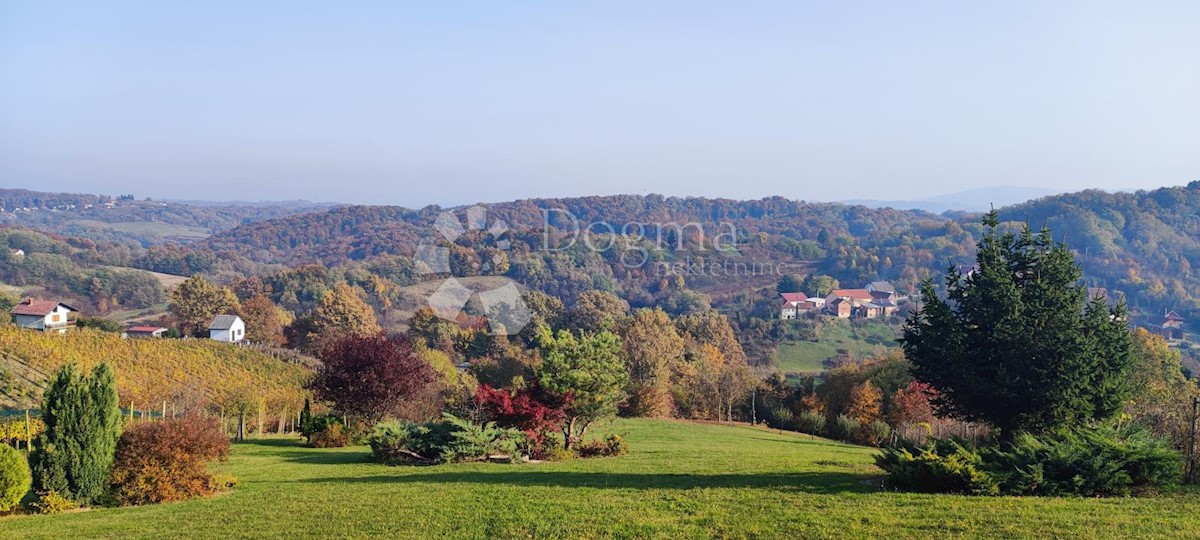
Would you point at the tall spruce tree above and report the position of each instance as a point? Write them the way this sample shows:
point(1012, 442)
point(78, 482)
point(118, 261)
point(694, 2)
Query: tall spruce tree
point(1016, 344)
point(74, 453)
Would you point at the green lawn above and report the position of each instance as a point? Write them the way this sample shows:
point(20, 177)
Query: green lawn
point(682, 480)
point(861, 339)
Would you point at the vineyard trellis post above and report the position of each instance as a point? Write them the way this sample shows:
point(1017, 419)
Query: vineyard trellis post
point(1192, 473)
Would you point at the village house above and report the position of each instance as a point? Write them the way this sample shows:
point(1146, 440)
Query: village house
point(840, 308)
point(854, 297)
point(143, 331)
point(44, 315)
point(790, 308)
point(1172, 327)
point(869, 310)
point(227, 328)
point(877, 300)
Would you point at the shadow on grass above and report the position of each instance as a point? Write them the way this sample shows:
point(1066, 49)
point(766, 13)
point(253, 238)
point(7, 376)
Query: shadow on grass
point(809, 482)
point(294, 451)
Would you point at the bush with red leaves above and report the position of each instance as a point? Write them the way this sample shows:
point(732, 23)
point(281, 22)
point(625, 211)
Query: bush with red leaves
point(370, 376)
point(530, 409)
point(168, 460)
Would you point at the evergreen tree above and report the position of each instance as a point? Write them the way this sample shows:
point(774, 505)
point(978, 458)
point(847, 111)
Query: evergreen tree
point(586, 372)
point(306, 418)
point(1016, 344)
point(74, 453)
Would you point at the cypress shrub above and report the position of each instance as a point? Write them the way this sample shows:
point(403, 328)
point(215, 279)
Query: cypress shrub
point(14, 478)
point(73, 455)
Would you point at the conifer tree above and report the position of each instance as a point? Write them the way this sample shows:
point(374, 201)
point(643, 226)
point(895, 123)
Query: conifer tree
point(306, 418)
point(74, 453)
point(1016, 344)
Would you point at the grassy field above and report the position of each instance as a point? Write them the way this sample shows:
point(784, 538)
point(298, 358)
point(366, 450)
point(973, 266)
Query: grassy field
point(862, 340)
point(682, 480)
point(148, 228)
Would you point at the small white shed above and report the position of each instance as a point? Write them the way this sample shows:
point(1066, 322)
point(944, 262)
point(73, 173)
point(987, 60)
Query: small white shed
point(227, 328)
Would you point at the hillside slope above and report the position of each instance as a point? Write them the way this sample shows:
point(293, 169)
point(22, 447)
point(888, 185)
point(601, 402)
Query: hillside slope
point(187, 373)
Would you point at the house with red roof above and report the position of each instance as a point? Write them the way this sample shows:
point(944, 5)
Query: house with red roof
point(1172, 327)
point(44, 315)
point(144, 331)
point(790, 305)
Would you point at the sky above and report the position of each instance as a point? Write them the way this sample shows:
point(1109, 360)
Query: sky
point(462, 102)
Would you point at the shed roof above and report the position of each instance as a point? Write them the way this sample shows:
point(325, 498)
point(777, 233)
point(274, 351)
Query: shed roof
point(223, 322)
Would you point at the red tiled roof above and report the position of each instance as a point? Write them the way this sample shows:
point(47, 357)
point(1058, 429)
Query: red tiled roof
point(856, 294)
point(145, 329)
point(1172, 316)
point(37, 308)
point(794, 296)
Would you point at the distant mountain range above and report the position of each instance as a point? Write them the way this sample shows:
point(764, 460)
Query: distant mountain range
point(971, 200)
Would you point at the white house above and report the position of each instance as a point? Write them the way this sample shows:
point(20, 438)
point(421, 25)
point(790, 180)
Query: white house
point(44, 315)
point(227, 328)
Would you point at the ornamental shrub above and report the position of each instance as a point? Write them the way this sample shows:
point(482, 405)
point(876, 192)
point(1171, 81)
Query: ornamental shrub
point(612, 445)
point(846, 428)
point(74, 453)
point(1089, 462)
point(168, 461)
point(51, 502)
point(329, 434)
point(811, 423)
point(946, 466)
point(450, 439)
point(15, 478)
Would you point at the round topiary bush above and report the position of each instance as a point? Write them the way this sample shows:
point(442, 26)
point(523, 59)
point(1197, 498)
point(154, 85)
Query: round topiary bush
point(15, 478)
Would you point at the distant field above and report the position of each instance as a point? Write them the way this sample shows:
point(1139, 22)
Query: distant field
point(682, 480)
point(152, 228)
point(414, 297)
point(806, 357)
point(167, 280)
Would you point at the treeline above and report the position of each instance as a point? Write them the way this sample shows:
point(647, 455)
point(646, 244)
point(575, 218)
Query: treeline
point(76, 269)
point(13, 199)
point(85, 216)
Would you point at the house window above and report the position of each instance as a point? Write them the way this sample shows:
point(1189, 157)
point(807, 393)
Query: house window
point(55, 318)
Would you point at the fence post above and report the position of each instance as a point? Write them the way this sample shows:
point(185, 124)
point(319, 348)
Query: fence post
point(28, 433)
point(1191, 474)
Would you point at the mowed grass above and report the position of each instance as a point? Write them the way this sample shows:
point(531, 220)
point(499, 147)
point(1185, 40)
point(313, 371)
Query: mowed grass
point(682, 480)
point(862, 340)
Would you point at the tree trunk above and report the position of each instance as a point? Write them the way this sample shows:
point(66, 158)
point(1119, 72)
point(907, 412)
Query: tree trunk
point(568, 432)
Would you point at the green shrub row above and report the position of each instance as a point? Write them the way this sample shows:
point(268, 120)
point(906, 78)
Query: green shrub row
point(1089, 462)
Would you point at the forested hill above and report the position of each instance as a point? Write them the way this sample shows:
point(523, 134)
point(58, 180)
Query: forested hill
point(1144, 244)
point(131, 221)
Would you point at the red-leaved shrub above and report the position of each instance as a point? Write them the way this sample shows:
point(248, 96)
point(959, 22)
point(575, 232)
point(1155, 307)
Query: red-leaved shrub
point(528, 409)
point(168, 461)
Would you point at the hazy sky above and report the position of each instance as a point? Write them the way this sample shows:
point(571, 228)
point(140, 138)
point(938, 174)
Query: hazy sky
point(457, 102)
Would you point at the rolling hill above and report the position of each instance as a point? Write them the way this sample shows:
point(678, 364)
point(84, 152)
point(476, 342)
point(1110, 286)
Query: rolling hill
point(190, 374)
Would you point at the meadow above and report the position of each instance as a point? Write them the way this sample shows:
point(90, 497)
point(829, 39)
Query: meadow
point(681, 480)
point(860, 339)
